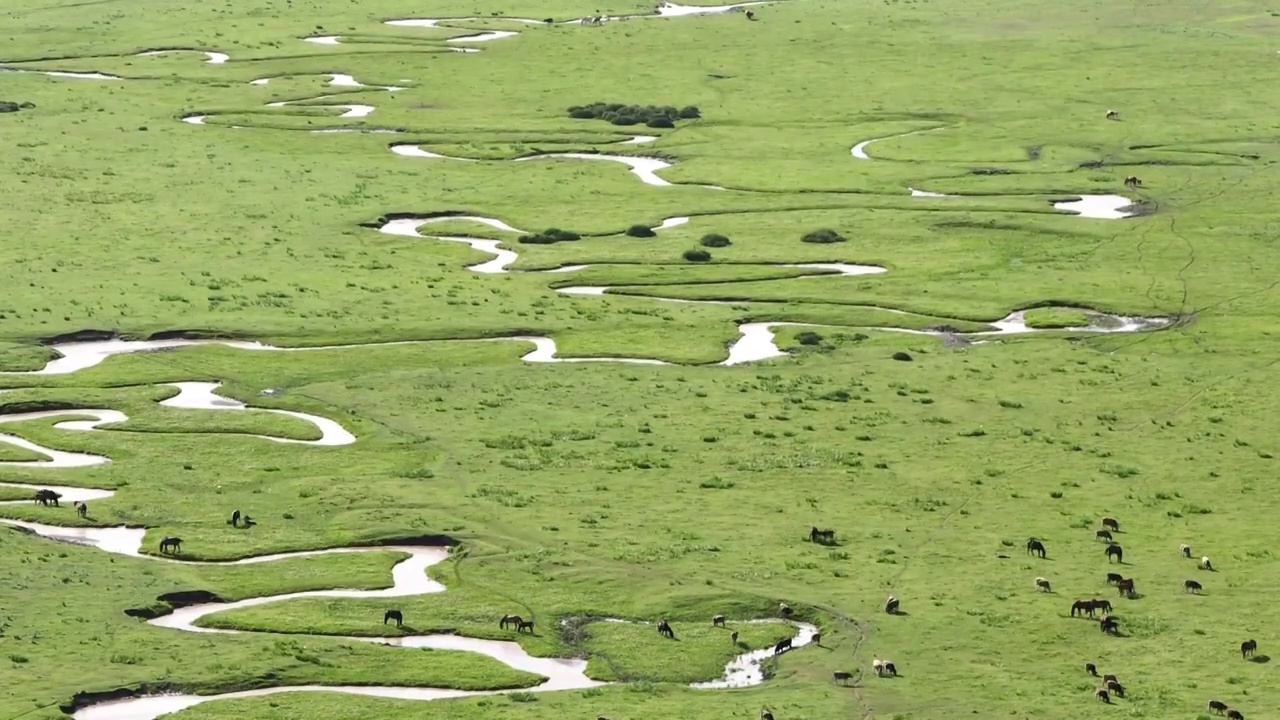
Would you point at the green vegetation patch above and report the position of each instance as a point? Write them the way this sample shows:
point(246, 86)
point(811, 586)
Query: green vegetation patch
point(654, 116)
point(1051, 318)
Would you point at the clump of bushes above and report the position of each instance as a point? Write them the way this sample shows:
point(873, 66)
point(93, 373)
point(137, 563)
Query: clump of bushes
point(8, 106)
point(549, 236)
point(813, 338)
point(654, 116)
point(822, 237)
point(714, 240)
point(640, 231)
point(696, 255)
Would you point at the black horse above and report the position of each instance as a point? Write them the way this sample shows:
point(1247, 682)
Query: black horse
point(664, 629)
point(1082, 607)
point(235, 519)
point(510, 620)
point(1192, 586)
point(1114, 578)
point(393, 615)
point(1115, 551)
point(1102, 535)
point(47, 498)
point(891, 605)
point(525, 625)
point(1126, 587)
point(1091, 669)
point(170, 544)
point(1248, 647)
point(1035, 546)
point(1109, 625)
point(782, 646)
point(824, 537)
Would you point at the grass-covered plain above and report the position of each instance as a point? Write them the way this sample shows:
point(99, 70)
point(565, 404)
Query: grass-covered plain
point(594, 491)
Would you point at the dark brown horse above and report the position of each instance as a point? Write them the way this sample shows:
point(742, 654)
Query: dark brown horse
point(1102, 695)
point(510, 620)
point(1035, 546)
point(1114, 578)
point(1132, 181)
point(1102, 535)
point(1114, 686)
point(393, 615)
point(1116, 552)
point(1111, 523)
point(1101, 604)
point(1233, 714)
point(1091, 669)
point(1109, 625)
point(525, 625)
point(170, 544)
point(1082, 607)
point(1218, 706)
point(1126, 587)
point(1192, 586)
point(1248, 647)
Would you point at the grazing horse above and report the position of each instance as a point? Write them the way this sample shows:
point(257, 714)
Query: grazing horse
point(1111, 524)
point(1248, 647)
point(1185, 549)
point(1132, 181)
point(1218, 706)
point(1104, 605)
point(889, 668)
point(784, 609)
point(1102, 535)
point(842, 677)
point(1205, 564)
point(525, 625)
point(1234, 714)
point(1126, 587)
point(1043, 585)
point(235, 518)
point(1114, 686)
point(1082, 607)
point(1114, 578)
point(1191, 586)
point(510, 620)
point(1101, 694)
point(393, 615)
point(1113, 115)
point(751, 15)
point(48, 497)
point(718, 621)
point(1115, 551)
point(1108, 624)
point(825, 537)
point(734, 638)
point(891, 605)
point(765, 714)
point(1035, 546)
point(1091, 669)
point(817, 639)
point(664, 629)
point(82, 509)
point(170, 543)
point(782, 646)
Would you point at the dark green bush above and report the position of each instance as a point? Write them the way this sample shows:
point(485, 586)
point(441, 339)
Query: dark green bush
point(714, 240)
point(696, 255)
point(549, 237)
point(640, 231)
point(809, 338)
point(654, 116)
point(822, 237)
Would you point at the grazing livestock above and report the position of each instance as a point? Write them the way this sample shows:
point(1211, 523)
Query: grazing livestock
point(1101, 694)
point(169, 544)
point(1218, 706)
point(817, 639)
point(718, 621)
point(1115, 551)
point(1114, 686)
point(1126, 587)
point(877, 665)
point(765, 714)
point(1113, 115)
point(782, 646)
point(1205, 564)
point(1043, 585)
point(1091, 669)
point(1233, 714)
point(1248, 647)
point(890, 669)
point(1132, 181)
point(393, 615)
point(525, 625)
point(1185, 549)
point(842, 677)
point(1192, 586)
point(664, 629)
point(82, 509)
point(734, 638)
point(510, 620)
point(1102, 535)
point(751, 15)
point(784, 609)
point(1114, 578)
point(1111, 523)
point(1035, 546)
point(235, 518)
point(825, 537)
point(47, 498)
point(1104, 605)
point(891, 605)
point(1109, 624)
point(1083, 606)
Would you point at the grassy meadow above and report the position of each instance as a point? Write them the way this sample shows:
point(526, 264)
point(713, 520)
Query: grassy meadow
point(594, 491)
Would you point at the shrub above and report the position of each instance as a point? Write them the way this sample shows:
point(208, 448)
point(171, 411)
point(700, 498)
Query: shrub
point(654, 116)
point(640, 231)
point(813, 338)
point(549, 236)
point(696, 255)
point(823, 236)
point(714, 240)
point(904, 357)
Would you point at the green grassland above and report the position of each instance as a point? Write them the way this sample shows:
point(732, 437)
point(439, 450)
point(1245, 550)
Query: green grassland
point(581, 492)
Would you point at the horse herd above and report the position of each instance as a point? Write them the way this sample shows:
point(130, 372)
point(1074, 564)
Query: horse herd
point(49, 497)
point(1126, 587)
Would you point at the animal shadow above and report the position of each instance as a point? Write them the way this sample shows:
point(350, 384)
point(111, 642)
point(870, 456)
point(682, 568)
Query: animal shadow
point(900, 613)
point(1260, 659)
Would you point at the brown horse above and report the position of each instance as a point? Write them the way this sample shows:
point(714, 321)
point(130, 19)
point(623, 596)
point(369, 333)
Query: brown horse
point(1035, 546)
point(1218, 706)
point(510, 620)
point(1111, 524)
point(1109, 625)
point(1114, 686)
point(1132, 181)
point(1102, 695)
point(1082, 607)
point(1102, 535)
point(1104, 605)
point(1233, 714)
point(1126, 587)
point(1114, 578)
point(1192, 586)
point(718, 621)
point(1091, 669)
point(525, 625)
